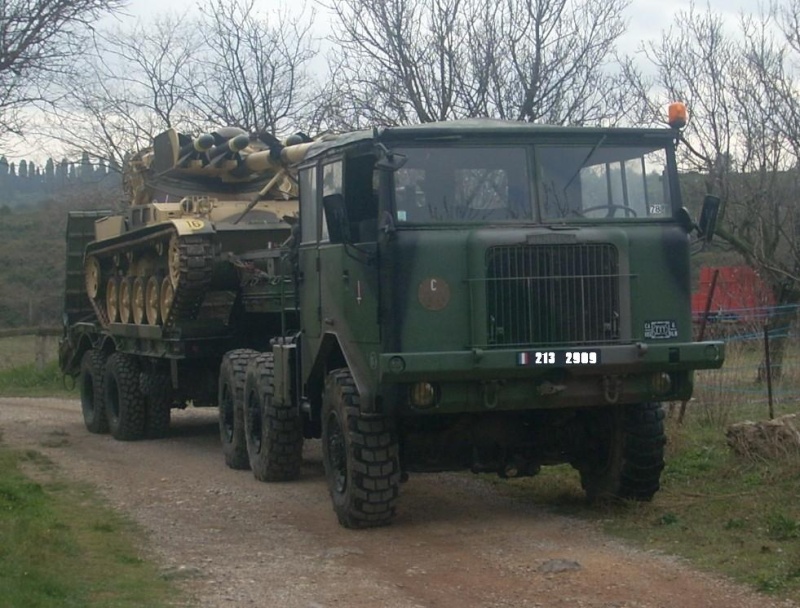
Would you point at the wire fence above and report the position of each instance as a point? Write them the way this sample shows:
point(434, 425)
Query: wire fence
point(26, 345)
point(761, 375)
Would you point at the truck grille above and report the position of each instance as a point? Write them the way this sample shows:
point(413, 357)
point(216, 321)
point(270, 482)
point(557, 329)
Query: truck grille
point(540, 295)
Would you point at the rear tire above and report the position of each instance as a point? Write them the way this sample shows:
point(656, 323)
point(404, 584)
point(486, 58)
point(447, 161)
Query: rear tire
point(628, 454)
point(273, 431)
point(230, 398)
point(360, 454)
point(93, 366)
point(125, 403)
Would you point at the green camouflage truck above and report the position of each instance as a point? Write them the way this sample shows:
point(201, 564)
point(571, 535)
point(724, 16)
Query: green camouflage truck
point(468, 295)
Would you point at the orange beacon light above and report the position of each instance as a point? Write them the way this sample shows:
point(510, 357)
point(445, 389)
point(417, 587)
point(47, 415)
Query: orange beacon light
point(678, 115)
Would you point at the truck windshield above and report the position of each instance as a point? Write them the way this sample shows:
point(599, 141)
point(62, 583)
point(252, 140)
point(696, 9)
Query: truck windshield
point(603, 181)
point(462, 184)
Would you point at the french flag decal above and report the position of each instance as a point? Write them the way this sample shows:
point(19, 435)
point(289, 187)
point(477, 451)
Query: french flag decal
point(523, 359)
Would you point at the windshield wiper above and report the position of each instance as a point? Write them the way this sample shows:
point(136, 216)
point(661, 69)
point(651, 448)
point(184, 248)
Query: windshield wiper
point(600, 142)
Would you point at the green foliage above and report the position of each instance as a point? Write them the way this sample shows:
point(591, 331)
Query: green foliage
point(60, 546)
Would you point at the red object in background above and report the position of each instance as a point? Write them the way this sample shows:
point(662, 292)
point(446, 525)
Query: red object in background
point(738, 295)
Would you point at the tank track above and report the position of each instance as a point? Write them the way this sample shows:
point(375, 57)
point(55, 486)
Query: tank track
point(196, 265)
point(196, 261)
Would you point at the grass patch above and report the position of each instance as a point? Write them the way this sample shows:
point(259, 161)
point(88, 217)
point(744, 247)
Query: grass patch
point(29, 381)
point(61, 547)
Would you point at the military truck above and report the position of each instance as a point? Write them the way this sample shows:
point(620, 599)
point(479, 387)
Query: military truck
point(470, 295)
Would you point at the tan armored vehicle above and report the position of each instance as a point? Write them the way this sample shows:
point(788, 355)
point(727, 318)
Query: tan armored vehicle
point(195, 203)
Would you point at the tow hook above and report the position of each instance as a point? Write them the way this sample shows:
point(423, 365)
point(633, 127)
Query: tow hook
point(612, 388)
point(491, 391)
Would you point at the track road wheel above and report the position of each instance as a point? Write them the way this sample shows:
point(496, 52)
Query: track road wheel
point(91, 384)
point(125, 403)
point(360, 454)
point(92, 276)
point(167, 295)
point(627, 453)
point(273, 431)
point(232, 373)
point(125, 298)
point(112, 299)
point(156, 386)
point(138, 299)
point(153, 300)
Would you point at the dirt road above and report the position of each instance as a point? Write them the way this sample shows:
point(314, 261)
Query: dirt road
point(456, 542)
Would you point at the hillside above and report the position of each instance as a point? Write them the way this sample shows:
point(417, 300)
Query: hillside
point(32, 254)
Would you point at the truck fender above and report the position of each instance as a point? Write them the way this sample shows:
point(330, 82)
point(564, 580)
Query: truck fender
point(331, 354)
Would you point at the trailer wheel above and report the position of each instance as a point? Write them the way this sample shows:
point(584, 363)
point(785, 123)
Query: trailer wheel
point(628, 454)
point(230, 398)
point(125, 403)
point(360, 454)
point(156, 386)
point(91, 385)
point(273, 431)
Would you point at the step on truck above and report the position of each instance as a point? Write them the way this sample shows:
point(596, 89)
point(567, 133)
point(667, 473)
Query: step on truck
point(469, 295)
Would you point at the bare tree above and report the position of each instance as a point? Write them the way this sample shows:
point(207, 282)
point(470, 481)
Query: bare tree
point(226, 66)
point(255, 69)
point(402, 61)
point(40, 38)
point(129, 85)
point(742, 138)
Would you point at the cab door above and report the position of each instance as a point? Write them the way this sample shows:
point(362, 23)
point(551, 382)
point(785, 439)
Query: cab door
point(308, 265)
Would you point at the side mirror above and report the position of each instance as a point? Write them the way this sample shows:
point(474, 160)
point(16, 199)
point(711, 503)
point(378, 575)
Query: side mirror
point(708, 217)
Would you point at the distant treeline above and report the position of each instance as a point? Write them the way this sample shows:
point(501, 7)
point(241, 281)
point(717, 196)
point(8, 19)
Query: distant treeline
point(26, 183)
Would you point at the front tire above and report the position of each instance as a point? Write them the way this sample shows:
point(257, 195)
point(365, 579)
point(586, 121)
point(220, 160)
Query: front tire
point(125, 403)
point(93, 366)
point(273, 431)
point(360, 454)
point(627, 456)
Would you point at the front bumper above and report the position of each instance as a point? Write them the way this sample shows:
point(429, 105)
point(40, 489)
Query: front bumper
point(477, 380)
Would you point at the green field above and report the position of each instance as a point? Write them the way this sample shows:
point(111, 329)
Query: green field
point(61, 546)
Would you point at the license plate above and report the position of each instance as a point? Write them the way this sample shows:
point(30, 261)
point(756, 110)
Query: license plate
point(560, 358)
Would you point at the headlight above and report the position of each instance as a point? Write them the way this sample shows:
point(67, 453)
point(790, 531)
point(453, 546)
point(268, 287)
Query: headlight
point(423, 395)
point(661, 383)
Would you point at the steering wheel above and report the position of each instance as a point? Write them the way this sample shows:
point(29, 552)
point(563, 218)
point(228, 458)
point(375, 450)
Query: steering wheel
point(628, 211)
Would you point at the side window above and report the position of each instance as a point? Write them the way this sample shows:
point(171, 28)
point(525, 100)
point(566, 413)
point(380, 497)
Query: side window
point(332, 201)
point(308, 205)
point(361, 192)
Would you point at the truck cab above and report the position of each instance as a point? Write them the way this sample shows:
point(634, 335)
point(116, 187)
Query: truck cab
point(501, 295)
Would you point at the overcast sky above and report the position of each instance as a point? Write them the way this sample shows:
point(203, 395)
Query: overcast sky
point(647, 18)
